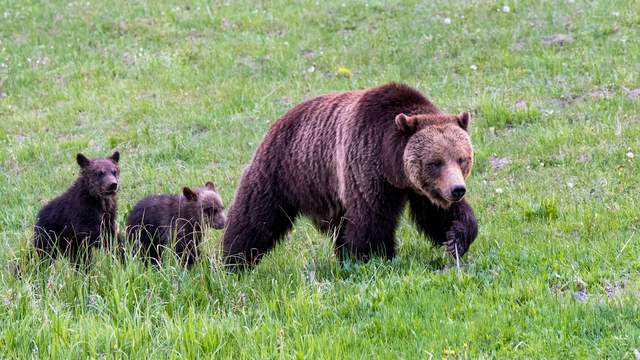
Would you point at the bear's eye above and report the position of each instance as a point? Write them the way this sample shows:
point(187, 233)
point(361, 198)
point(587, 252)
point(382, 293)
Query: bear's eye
point(114, 173)
point(461, 161)
point(100, 173)
point(436, 164)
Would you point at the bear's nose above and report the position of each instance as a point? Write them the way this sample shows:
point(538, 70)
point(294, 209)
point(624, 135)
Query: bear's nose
point(458, 192)
point(113, 187)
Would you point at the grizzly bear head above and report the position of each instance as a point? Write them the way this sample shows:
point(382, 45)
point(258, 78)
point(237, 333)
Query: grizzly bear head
point(438, 155)
point(100, 175)
point(208, 200)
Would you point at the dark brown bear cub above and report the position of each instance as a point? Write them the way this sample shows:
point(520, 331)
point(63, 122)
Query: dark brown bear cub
point(84, 216)
point(351, 162)
point(157, 219)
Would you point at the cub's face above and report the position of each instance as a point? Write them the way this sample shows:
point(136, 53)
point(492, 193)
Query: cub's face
point(210, 203)
point(438, 156)
point(101, 174)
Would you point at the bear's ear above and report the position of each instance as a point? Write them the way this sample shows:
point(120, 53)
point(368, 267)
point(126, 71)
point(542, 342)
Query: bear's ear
point(463, 120)
point(115, 156)
point(406, 123)
point(189, 194)
point(82, 160)
point(210, 185)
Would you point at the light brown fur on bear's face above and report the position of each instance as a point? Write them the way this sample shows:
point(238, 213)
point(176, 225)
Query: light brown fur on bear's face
point(438, 156)
point(210, 203)
point(100, 175)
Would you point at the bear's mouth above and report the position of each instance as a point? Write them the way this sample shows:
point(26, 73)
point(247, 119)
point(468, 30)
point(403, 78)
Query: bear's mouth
point(452, 200)
point(438, 199)
point(435, 196)
point(217, 225)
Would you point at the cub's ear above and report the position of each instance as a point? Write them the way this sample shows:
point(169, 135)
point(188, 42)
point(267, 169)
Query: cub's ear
point(406, 123)
point(463, 120)
point(189, 194)
point(115, 156)
point(210, 185)
point(82, 160)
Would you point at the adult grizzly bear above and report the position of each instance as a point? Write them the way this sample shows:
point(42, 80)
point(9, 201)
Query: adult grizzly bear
point(350, 161)
point(84, 216)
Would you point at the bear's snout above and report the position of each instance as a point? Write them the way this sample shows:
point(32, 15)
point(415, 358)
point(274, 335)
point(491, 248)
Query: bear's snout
point(219, 221)
point(112, 188)
point(457, 192)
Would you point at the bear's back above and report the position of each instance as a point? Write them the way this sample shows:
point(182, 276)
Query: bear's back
point(380, 105)
point(68, 209)
point(307, 153)
point(156, 209)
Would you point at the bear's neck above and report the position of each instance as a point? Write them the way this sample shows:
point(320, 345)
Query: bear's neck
point(394, 143)
point(190, 210)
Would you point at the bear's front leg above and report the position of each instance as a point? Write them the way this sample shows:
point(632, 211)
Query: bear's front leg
point(80, 253)
point(369, 230)
point(455, 227)
point(361, 241)
point(187, 241)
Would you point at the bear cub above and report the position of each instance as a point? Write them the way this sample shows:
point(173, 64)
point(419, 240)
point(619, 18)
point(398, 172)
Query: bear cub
point(157, 219)
point(84, 216)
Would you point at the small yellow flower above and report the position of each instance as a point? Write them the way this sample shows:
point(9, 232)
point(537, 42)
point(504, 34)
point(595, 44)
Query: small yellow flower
point(344, 72)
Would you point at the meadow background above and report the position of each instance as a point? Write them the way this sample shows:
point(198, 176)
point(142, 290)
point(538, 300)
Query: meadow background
point(186, 93)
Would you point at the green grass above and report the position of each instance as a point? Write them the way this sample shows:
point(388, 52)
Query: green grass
point(186, 94)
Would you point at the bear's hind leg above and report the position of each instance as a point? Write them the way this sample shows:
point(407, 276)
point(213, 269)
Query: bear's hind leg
point(45, 245)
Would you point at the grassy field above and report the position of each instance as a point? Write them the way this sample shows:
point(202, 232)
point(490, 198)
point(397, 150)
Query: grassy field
point(186, 94)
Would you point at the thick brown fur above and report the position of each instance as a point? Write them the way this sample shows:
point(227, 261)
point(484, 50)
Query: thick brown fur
point(156, 219)
point(84, 216)
point(350, 161)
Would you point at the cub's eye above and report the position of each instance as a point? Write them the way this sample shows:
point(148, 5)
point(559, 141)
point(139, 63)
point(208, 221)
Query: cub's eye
point(461, 161)
point(436, 164)
point(114, 173)
point(100, 173)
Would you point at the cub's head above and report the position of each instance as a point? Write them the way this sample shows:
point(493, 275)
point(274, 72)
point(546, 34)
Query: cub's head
point(438, 155)
point(100, 175)
point(210, 202)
